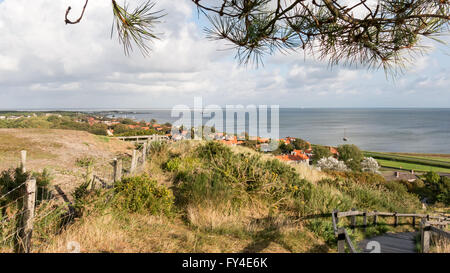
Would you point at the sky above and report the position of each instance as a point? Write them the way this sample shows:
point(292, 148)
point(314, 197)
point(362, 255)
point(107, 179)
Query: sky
point(47, 64)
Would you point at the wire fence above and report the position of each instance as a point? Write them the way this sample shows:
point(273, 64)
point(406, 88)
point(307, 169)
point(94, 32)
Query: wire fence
point(47, 207)
point(48, 215)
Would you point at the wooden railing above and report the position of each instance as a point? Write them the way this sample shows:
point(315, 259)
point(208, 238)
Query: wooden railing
point(142, 139)
point(427, 229)
point(426, 226)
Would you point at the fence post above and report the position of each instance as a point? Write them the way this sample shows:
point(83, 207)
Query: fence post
point(26, 225)
point(353, 221)
point(425, 237)
point(414, 221)
point(395, 219)
point(365, 219)
point(133, 162)
point(117, 170)
point(375, 217)
point(144, 153)
point(90, 177)
point(337, 218)
point(23, 161)
point(341, 240)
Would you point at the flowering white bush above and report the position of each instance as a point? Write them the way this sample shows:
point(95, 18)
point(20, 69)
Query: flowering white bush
point(369, 164)
point(332, 163)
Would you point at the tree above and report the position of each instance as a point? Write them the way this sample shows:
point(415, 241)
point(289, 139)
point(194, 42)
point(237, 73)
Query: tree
point(439, 187)
point(135, 26)
point(285, 148)
point(331, 163)
point(381, 33)
point(128, 121)
point(300, 144)
point(351, 155)
point(120, 129)
point(320, 152)
point(369, 164)
point(432, 178)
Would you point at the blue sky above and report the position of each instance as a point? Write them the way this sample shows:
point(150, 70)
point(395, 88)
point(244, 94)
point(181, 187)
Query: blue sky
point(46, 64)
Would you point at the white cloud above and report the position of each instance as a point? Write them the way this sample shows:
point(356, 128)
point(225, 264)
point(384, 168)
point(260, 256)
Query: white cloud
point(56, 65)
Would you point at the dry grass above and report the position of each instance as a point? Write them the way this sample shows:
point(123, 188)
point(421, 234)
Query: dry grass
point(139, 233)
point(203, 228)
point(58, 150)
point(310, 173)
point(442, 245)
point(211, 217)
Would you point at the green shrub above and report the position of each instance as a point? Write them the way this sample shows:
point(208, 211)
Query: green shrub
point(320, 152)
point(390, 197)
point(223, 176)
point(43, 180)
point(396, 187)
point(438, 188)
point(351, 155)
point(141, 194)
point(9, 180)
point(324, 229)
point(85, 161)
point(12, 178)
point(157, 147)
point(195, 189)
point(360, 177)
point(173, 164)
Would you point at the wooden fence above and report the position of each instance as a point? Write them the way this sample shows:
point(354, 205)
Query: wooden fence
point(427, 230)
point(144, 139)
point(138, 159)
point(22, 234)
point(427, 226)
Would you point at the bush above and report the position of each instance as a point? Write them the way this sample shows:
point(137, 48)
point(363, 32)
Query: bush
point(43, 180)
point(223, 176)
point(85, 161)
point(141, 194)
point(12, 178)
point(383, 197)
point(300, 144)
point(9, 180)
point(360, 177)
point(158, 147)
point(351, 155)
point(438, 187)
point(332, 163)
point(173, 164)
point(320, 152)
point(285, 148)
point(369, 164)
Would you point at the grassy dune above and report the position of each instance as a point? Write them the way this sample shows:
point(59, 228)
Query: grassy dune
point(206, 197)
point(230, 200)
point(57, 151)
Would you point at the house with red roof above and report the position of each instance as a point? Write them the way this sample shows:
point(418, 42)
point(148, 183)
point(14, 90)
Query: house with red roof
point(293, 158)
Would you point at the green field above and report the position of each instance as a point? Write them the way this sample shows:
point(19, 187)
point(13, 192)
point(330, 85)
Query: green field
point(417, 162)
point(427, 157)
point(411, 166)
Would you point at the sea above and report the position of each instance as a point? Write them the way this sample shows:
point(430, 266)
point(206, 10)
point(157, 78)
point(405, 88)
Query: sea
point(376, 129)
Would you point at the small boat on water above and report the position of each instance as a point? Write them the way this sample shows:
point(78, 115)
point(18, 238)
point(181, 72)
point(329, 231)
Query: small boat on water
point(345, 136)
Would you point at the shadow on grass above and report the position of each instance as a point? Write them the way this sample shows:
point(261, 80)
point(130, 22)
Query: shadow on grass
point(270, 234)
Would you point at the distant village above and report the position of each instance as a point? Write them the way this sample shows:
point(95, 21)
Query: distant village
point(115, 127)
